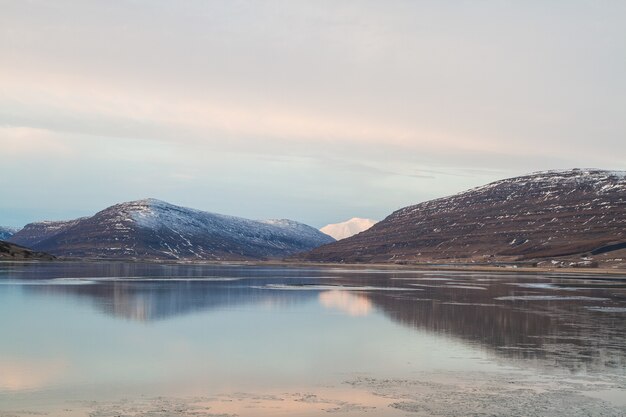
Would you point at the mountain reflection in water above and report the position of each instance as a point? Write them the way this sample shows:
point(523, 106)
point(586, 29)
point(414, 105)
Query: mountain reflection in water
point(550, 320)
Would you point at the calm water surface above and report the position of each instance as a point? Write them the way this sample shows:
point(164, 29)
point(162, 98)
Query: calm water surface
point(105, 331)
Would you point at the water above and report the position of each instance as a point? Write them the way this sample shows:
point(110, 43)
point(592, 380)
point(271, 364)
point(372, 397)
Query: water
point(112, 338)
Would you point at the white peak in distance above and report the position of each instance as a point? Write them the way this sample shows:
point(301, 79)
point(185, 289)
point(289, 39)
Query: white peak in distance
point(348, 228)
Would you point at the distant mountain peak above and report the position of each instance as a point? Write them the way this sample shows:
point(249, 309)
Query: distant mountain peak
point(7, 231)
point(348, 228)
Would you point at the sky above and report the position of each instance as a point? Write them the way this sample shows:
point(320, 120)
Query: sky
point(317, 111)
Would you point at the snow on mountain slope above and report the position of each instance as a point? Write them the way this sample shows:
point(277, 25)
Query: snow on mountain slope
point(34, 233)
point(348, 228)
point(578, 212)
point(7, 232)
point(155, 229)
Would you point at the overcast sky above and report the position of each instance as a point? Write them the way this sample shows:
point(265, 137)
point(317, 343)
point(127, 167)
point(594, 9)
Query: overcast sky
point(316, 111)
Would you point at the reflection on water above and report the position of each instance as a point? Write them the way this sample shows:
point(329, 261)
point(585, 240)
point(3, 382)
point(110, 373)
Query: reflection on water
point(147, 300)
point(352, 304)
point(221, 325)
point(18, 374)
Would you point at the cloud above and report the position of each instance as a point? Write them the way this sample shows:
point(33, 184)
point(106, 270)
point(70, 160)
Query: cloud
point(183, 176)
point(315, 106)
point(81, 106)
point(91, 106)
point(19, 141)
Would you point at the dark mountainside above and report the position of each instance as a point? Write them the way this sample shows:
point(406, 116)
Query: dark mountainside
point(153, 229)
point(570, 214)
point(13, 252)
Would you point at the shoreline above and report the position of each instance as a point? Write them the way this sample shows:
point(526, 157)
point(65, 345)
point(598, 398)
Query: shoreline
point(502, 268)
point(441, 393)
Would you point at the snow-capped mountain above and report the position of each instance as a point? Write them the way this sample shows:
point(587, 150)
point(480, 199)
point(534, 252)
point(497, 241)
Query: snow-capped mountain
point(348, 228)
point(542, 215)
point(34, 233)
point(155, 229)
point(7, 232)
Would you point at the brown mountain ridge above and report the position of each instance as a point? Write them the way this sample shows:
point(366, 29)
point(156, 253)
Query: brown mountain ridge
point(546, 215)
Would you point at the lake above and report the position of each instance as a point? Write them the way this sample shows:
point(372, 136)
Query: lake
point(131, 339)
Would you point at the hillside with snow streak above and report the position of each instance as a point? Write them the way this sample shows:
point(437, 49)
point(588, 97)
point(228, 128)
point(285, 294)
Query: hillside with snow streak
point(154, 229)
point(579, 214)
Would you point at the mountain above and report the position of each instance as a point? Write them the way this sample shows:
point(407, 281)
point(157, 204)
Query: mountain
point(538, 216)
point(33, 234)
point(348, 228)
point(7, 232)
point(11, 251)
point(155, 229)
